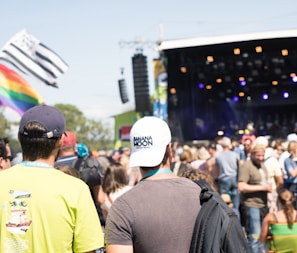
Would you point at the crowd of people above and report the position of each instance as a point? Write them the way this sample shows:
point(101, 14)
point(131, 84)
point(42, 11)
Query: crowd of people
point(253, 173)
point(143, 194)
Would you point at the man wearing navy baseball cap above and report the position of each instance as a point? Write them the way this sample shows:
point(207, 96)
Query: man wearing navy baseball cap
point(44, 209)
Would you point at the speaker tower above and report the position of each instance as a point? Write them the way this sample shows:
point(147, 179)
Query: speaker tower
point(141, 87)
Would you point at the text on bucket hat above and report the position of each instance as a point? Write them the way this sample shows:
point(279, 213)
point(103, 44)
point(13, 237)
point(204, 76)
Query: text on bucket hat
point(69, 139)
point(149, 138)
point(49, 117)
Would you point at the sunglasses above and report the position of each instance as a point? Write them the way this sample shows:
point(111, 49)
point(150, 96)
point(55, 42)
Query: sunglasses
point(9, 157)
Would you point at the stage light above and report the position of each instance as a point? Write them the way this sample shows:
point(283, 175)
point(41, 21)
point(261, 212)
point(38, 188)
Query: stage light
point(183, 69)
point(285, 94)
point(215, 66)
point(258, 49)
point(274, 91)
point(285, 52)
point(255, 72)
point(249, 64)
point(235, 99)
point(222, 65)
point(172, 91)
point(201, 85)
point(239, 64)
point(242, 83)
point(222, 94)
point(241, 94)
point(277, 71)
point(208, 87)
point(219, 80)
point(227, 79)
point(236, 51)
point(240, 131)
point(274, 82)
point(249, 98)
point(201, 75)
point(294, 79)
point(220, 133)
point(258, 63)
point(265, 96)
point(210, 58)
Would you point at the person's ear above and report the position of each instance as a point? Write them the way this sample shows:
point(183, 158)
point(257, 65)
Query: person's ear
point(169, 152)
point(59, 143)
point(1, 161)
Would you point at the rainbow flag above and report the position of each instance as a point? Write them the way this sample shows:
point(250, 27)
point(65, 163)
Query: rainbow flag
point(16, 92)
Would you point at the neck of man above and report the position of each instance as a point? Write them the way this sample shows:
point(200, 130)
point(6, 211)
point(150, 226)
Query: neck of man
point(159, 172)
point(49, 160)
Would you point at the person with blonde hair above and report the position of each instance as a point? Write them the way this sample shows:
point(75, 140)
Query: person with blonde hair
point(197, 174)
point(279, 229)
point(68, 170)
point(185, 158)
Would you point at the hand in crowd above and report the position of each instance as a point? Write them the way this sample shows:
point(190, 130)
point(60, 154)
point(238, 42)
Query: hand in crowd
point(267, 187)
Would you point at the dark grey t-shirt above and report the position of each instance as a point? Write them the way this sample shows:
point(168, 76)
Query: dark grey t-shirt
point(155, 216)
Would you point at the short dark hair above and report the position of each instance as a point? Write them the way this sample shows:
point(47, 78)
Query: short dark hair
point(36, 147)
point(3, 152)
point(164, 160)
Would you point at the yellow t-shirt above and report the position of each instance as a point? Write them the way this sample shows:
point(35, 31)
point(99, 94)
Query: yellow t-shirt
point(46, 210)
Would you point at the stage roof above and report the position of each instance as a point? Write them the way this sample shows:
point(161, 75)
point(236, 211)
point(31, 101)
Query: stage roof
point(202, 41)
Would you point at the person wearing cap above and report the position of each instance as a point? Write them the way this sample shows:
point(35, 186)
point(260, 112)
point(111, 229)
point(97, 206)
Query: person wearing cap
point(44, 209)
point(68, 152)
point(158, 214)
point(254, 190)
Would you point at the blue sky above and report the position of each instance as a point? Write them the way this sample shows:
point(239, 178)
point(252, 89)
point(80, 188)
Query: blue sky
point(86, 34)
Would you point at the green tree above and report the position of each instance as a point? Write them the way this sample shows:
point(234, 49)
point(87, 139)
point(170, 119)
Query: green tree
point(7, 129)
point(75, 119)
point(91, 132)
point(5, 126)
point(99, 134)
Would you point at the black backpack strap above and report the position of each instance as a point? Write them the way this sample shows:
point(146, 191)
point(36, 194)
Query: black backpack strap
point(79, 163)
point(205, 194)
point(203, 241)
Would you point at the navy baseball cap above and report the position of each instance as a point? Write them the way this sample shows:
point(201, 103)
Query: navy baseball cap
point(49, 117)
